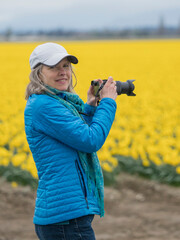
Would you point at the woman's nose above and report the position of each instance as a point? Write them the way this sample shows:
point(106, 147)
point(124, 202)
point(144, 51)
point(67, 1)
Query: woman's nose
point(61, 71)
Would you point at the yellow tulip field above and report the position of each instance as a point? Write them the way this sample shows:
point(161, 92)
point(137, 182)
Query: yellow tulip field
point(146, 130)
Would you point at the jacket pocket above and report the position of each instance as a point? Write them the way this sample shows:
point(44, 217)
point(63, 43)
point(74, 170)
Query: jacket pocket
point(81, 179)
point(82, 182)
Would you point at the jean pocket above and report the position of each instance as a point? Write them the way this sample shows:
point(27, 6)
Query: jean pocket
point(50, 231)
point(86, 219)
point(90, 218)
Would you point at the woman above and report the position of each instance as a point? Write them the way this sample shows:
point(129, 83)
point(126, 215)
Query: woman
point(64, 134)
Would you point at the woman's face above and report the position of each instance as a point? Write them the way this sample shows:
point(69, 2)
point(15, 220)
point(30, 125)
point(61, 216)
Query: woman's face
point(58, 76)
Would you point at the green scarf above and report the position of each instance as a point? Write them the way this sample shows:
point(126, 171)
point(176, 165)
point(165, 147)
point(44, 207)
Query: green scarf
point(89, 161)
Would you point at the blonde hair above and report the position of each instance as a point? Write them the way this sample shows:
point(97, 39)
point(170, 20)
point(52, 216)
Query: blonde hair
point(36, 85)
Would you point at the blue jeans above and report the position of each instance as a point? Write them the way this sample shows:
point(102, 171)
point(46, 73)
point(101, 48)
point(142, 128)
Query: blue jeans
point(77, 229)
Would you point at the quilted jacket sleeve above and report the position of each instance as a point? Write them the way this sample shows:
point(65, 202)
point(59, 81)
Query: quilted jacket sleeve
point(55, 120)
point(89, 113)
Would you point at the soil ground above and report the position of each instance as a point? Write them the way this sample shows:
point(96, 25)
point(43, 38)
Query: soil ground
point(135, 209)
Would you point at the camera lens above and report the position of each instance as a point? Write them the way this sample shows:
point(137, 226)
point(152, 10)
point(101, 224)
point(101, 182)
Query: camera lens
point(122, 87)
point(125, 87)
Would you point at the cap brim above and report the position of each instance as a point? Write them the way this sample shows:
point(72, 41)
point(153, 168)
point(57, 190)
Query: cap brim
point(55, 59)
point(72, 59)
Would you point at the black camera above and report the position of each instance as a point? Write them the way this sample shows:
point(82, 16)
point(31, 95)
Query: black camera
point(122, 87)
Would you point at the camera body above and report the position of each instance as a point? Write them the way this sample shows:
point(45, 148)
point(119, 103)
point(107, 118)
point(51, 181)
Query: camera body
point(122, 87)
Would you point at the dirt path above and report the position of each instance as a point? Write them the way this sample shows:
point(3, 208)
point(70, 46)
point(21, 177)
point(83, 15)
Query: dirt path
point(135, 209)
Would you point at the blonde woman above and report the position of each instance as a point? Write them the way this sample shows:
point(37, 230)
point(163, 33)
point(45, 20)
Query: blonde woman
point(64, 134)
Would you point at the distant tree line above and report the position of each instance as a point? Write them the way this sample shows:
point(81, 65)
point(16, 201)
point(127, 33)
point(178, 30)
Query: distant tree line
point(146, 32)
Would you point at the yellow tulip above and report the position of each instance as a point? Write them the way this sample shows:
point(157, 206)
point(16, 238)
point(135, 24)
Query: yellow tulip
point(145, 126)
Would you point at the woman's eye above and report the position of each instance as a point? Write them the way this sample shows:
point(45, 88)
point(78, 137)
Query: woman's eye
point(52, 68)
point(57, 68)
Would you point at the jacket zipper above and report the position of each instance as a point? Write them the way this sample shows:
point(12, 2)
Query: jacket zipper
point(83, 186)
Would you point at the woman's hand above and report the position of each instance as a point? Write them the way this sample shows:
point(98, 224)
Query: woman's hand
point(92, 100)
point(109, 90)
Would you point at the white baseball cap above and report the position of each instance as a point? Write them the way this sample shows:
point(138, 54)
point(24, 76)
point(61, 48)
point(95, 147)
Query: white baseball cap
point(49, 54)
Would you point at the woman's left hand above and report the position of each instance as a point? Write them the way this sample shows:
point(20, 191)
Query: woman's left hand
point(91, 99)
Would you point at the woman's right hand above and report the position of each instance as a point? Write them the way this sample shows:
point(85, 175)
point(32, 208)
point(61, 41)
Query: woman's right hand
point(109, 89)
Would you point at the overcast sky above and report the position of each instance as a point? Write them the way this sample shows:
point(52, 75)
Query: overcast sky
point(86, 15)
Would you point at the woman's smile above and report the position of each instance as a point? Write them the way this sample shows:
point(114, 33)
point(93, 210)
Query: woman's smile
point(63, 80)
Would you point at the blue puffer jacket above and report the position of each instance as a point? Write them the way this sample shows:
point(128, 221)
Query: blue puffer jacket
point(54, 135)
